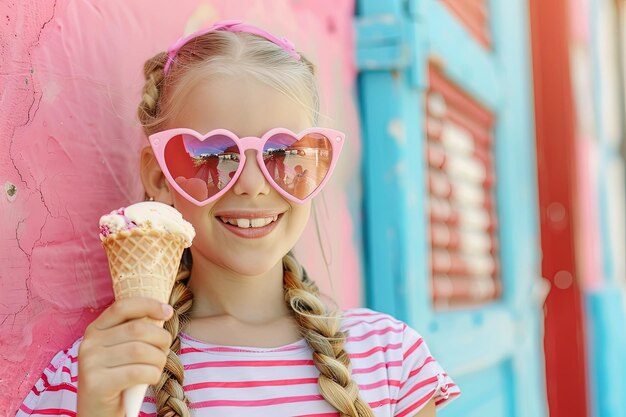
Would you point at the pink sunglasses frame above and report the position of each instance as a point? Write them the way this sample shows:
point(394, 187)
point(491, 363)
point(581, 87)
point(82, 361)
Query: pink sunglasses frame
point(159, 140)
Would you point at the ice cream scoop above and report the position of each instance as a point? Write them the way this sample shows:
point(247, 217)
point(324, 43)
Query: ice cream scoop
point(147, 215)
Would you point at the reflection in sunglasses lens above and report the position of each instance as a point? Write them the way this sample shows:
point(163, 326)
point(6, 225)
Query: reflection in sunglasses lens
point(298, 166)
point(202, 168)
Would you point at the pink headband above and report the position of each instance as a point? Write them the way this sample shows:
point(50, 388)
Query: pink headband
point(230, 26)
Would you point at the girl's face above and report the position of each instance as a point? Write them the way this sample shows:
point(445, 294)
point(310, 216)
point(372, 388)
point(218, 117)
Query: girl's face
point(246, 107)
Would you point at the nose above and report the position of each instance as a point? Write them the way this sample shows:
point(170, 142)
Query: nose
point(251, 182)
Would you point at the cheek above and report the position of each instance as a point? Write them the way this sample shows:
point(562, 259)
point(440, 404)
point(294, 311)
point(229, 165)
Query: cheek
point(197, 216)
point(300, 216)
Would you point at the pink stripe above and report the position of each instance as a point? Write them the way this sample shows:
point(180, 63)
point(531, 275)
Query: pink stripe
point(418, 370)
point(73, 359)
point(227, 364)
point(380, 403)
point(356, 323)
point(256, 403)
point(374, 332)
point(412, 348)
point(250, 384)
point(46, 384)
point(65, 369)
point(419, 385)
point(444, 389)
point(383, 383)
point(416, 405)
point(35, 391)
point(443, 399)
point(142, 414)
point(320, 415)
point(48, 411)
point(377, 366)
point(61, 387)
point(376, 349)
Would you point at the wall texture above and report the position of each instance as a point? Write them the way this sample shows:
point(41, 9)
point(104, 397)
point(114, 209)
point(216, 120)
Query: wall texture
point(70, 76)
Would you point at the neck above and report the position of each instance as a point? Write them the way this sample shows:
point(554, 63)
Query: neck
point(253, 299)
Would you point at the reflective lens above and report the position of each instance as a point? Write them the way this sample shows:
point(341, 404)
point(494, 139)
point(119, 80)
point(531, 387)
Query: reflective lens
point(298, 166)
point(202, 168)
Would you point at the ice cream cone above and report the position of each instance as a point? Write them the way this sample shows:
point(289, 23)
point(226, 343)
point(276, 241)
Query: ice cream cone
point(144, 244)
point(143, 263)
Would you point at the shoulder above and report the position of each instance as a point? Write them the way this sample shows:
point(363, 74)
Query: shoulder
point(363, 323)
point(382, 347)
point(373, 337)
point(369, 318)
point(56, 388)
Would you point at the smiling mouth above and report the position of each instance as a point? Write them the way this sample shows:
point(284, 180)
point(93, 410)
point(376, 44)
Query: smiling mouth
point(246, 223)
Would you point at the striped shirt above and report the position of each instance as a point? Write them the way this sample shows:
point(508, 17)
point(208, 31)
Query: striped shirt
point(391, 364)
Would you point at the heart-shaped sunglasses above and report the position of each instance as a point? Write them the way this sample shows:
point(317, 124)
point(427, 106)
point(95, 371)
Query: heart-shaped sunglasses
point(203, 167)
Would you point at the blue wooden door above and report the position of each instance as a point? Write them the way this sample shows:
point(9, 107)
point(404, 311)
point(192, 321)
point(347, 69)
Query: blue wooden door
point(450, 196)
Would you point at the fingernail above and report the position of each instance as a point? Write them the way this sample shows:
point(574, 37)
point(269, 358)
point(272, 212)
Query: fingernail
point(167, 310)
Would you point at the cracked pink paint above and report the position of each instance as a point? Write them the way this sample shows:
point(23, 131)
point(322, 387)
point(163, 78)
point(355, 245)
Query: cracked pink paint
point(70, 77)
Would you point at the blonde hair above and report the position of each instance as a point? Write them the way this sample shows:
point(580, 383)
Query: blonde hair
point(223, 53)
point(235, 54)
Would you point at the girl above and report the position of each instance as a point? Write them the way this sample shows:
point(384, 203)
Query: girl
point(230, 112)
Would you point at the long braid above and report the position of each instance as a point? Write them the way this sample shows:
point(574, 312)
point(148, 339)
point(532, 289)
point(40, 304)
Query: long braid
point(321, 329)
point(170, 397)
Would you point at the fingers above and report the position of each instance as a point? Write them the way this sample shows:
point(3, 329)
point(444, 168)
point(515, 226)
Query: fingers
point(130, 375)
point(134, 353)
point(132, 308)
point(112, 381)
point(107, 370)
point(120, 350)
point(140, 330)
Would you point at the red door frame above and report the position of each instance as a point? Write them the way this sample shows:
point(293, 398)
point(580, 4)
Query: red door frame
point(564, 343)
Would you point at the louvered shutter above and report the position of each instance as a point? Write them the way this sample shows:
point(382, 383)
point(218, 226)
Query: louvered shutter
point(461, 177)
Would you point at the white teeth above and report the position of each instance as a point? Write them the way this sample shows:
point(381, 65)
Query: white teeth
point(243, 223)
point(260, 222)
point(247, 223)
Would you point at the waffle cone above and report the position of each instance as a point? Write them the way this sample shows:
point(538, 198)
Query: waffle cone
point(143, 263)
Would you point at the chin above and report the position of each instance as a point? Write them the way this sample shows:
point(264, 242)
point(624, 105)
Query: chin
point(253, 263)
point(250, 261)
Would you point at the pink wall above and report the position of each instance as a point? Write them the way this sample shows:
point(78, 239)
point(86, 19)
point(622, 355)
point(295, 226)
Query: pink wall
point(70, 76)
